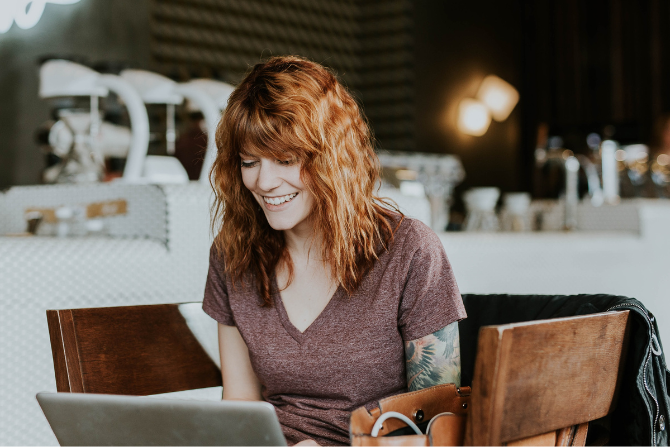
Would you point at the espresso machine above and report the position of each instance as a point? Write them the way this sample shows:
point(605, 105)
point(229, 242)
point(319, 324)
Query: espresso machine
point(208, 96)
point(79, 138)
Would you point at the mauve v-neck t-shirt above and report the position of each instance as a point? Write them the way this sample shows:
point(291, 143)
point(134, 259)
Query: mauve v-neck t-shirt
point(353, 353)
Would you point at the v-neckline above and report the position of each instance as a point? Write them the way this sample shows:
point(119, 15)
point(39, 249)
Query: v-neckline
point(313, 326)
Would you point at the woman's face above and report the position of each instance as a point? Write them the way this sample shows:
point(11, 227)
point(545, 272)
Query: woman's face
point(278, 188)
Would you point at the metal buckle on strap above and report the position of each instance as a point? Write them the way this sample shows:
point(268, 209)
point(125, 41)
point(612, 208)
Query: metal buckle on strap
point(655, 346)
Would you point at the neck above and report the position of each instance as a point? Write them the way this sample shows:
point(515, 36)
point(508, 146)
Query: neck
point(300, 243)
point(304, 247)
point(304, 242)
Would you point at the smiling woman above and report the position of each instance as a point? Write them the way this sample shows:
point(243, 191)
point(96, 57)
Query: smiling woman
point(277, 187)
point(327, 297)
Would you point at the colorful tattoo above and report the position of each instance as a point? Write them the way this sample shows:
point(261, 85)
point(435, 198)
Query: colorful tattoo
point(434, 359)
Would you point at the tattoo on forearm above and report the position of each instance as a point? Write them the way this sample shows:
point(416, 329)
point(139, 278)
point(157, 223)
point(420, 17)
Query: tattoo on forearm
point(434, 359)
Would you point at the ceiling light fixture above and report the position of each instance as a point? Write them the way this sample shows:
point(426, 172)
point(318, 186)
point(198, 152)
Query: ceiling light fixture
point(499, 96)
point(473, 117)
point(495, 99)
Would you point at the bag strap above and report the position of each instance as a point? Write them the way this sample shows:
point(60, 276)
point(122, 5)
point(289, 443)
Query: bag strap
point(446, 429)
point(393, 414)
point(419, 406)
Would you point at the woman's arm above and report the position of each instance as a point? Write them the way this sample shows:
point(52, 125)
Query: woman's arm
point(434, 359)
point(239, 380)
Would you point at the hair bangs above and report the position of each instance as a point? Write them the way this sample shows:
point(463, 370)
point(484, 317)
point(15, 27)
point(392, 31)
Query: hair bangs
point(265, 134)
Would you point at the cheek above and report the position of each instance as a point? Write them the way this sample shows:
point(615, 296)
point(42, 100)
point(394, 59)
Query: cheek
point(248, 178)
point(294, 176)
point(309, 203)
point(298, 181)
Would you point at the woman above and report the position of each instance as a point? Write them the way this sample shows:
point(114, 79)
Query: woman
point(326, 298)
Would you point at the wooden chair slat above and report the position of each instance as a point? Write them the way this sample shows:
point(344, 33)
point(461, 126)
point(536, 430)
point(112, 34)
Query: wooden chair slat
point(71, 351)
point(535, 377)
point(134, 350)
point(58, 352)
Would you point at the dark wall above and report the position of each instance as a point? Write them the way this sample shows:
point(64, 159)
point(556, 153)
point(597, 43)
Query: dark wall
point(580, 67)
point(598, 63)
point(93, 31)
point(594, 66)
point(367, 42)
point(457, 44)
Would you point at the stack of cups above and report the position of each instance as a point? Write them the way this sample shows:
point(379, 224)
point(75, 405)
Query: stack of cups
point(515, 216)
point(480, 204)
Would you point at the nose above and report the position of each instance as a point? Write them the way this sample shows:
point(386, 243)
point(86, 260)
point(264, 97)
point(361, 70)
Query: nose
point(268, 176)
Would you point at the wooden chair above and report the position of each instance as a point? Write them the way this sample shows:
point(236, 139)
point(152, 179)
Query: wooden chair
point(135, 350)
point(541, 382)
point(535, 383)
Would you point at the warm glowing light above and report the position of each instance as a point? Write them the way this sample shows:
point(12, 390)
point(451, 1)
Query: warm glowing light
point(663, 160)
point(473, 117)
point(620, 155)
point(26, 13)
point(499, 96)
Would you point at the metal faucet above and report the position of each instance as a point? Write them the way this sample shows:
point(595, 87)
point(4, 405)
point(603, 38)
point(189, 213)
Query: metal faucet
point(592, 180)
point(608, 151)
point(571, 192)
point(571, 165)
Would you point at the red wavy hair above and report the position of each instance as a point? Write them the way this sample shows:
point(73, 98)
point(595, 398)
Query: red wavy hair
point(292, 108)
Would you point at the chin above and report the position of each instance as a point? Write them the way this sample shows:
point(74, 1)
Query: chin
point(281, 224)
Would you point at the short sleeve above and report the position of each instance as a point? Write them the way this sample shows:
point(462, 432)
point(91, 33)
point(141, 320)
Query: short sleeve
point(431, 299)
point(215, 303)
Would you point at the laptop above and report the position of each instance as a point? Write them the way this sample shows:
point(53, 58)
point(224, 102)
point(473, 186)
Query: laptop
point(104, 419)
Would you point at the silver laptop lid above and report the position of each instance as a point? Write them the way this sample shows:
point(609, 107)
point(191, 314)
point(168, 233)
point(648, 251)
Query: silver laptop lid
point(102, 419)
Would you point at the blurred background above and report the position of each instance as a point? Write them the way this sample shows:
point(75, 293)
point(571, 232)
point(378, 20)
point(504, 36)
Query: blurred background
point(532, 135)
point(579, 67)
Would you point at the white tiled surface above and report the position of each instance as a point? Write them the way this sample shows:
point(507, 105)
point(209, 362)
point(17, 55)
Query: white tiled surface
point(37, 274)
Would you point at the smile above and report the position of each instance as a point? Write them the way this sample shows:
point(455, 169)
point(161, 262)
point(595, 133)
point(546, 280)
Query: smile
point(279, 200)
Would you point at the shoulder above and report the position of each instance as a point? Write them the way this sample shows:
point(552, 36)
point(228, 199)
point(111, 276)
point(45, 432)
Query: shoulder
point(219, 271)
point(222, 287)
point(215, 256)
point(413, 235)
point(417, 230)
point(217, 262)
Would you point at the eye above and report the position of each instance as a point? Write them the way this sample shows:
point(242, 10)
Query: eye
point(248, 163)
point(288, 162)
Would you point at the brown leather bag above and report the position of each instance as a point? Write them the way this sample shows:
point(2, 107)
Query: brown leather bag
point(443, 407)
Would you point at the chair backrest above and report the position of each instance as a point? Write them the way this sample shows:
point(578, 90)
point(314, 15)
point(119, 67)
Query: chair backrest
point(135, 350)
point(541, 376)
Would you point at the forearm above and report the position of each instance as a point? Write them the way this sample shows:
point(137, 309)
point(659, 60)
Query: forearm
point(238, 377)
point(236, 395)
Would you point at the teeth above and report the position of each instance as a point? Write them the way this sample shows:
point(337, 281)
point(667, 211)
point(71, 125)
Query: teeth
point(279, 200)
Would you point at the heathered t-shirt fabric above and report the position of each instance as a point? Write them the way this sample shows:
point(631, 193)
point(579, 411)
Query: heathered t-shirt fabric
point(353, 353)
